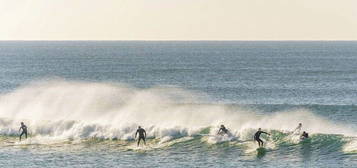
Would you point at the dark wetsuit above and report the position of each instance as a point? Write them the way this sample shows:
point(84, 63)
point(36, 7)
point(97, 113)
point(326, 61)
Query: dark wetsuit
point(257, 137)
point(304, 135)
point(142, 135)
point(24, 131)
point(223, 129)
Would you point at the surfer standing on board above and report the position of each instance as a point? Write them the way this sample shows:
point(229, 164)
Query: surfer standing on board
point(142, 135)
point(24, 130)
point(223, 130)
point(257, 137)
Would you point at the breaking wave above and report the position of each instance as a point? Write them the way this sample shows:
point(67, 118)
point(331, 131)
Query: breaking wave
point(62, 110)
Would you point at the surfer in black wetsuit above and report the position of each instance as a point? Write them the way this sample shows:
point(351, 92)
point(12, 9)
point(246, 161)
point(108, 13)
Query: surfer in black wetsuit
point(257, 137)
point(142, 135)
point(304, 135)
point(24, 130)
point(223, 130)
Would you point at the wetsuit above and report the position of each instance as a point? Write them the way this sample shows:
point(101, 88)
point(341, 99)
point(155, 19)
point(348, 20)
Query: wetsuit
point(24, 131)
point(304, 135)
point(142, 135)
point(223, 129)
point(257, 137)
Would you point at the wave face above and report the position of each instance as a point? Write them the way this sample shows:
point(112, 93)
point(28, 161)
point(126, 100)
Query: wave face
point(82, 121)
point(77, 110)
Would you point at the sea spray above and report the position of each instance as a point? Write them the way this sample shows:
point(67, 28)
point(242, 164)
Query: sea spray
point(79, 110)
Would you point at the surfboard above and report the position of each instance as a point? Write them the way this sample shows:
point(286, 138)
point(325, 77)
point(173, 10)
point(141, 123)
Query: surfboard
point(10, 142)
point(141, 148)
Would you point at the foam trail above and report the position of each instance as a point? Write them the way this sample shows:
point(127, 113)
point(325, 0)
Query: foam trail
point(351, 146)
point(75, 110)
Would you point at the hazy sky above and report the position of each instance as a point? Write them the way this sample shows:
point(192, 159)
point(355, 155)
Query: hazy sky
point(178, 19)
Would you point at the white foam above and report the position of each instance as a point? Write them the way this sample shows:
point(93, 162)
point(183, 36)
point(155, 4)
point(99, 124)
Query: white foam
point(73, 110)
point(350, 146)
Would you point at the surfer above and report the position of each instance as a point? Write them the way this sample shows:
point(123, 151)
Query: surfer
point(304, 135)
point(142, 135)
point(257, 137)
point(223, 130)
point(24, 130)
point(298, 129)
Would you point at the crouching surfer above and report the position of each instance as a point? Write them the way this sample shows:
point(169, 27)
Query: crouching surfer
point(304, 135)
point(257, 137)
point(222, 130)
point(142, 134)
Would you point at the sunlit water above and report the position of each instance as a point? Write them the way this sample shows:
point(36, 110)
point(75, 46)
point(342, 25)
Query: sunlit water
point(83, 101)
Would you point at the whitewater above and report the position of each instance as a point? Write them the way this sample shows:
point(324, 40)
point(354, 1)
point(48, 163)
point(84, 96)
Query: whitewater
point(77, 118)
point(78, 110)
point(60, 112)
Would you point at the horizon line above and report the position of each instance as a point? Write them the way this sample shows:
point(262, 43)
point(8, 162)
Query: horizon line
point(185, 40)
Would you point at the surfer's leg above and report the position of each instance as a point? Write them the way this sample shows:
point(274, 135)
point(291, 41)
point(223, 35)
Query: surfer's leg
point(139, 141)
point(142, 138)
point(21, 134)
point(260, 142)
point(256, 139)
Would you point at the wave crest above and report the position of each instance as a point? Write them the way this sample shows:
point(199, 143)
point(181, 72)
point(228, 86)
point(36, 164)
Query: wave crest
point(73, 109)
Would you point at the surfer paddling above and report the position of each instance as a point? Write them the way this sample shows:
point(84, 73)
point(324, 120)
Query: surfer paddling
point(257, 137)
point(222, 130)
point(142, 135)
point(23, 127)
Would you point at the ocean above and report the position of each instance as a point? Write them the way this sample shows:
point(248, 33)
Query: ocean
point(82, 102)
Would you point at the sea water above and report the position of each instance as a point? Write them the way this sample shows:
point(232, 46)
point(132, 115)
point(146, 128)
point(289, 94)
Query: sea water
point(83, 101)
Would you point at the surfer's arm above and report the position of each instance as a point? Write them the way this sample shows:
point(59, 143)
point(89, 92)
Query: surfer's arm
point(145, 133)
point(20, 129)
point(266, 133)
point(136, 133)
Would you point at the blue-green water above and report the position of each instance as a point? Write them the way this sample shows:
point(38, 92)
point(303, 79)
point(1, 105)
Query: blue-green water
point(83, 101)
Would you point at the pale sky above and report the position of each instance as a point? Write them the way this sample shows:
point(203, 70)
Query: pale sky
point(178, 19)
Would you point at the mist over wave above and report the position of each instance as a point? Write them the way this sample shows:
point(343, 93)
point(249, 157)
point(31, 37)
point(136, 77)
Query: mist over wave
point(63, 109)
